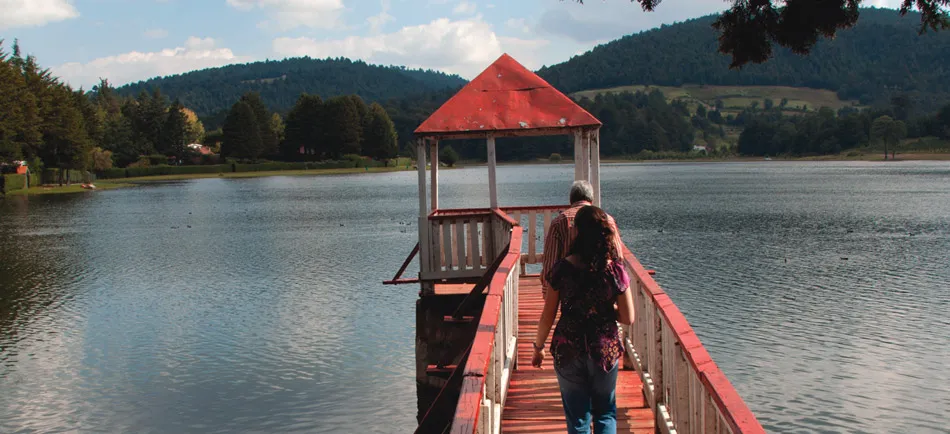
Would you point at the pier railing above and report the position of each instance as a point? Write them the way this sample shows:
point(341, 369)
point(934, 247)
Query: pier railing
point(494, 350)
point(685, 388)
point(536, 220)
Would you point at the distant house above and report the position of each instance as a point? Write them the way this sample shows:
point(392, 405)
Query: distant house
point(699, 148)
point(21, 167)
point(201, 149)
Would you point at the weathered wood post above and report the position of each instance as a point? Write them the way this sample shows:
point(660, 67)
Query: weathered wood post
point(492, 187)
point(595, 164)
point(434, 184)
point(424, 266)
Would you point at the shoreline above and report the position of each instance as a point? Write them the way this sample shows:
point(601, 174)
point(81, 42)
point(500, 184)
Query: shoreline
point(111, 184)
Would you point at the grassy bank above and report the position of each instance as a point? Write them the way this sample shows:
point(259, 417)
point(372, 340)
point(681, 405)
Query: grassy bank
point(109, 184)
point(73, 188)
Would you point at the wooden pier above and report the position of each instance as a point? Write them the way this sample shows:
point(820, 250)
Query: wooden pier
point(533, 404)
point(478, 309)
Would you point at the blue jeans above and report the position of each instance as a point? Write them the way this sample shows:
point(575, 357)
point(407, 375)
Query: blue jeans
point(586, 392)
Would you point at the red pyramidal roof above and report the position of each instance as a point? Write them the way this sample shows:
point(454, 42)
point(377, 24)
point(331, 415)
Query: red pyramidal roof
point(504, 97)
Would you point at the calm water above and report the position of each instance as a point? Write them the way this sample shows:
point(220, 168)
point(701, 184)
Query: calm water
point(255, 305)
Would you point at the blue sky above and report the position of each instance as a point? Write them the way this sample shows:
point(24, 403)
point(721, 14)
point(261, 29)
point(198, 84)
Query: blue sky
point(131, 40)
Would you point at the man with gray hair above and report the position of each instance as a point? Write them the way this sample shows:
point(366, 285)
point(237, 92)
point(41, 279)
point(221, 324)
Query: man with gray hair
point(561, 233)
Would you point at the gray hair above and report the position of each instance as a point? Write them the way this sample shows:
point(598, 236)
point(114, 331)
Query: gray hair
point(581, 190)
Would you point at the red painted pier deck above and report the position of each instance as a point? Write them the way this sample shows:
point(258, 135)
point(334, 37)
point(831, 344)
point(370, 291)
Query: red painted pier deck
point(533, 404)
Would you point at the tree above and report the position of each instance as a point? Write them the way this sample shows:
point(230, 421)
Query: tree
point(768, 104)
point(448, 156)
point(101, 159)
point(380, 138)
point(277, 126)
point(194, 128)
point(701, 110)
point(174, 132)
point(242, 137)
point(751, 27)
point(344, 136)
point(262, 117)
point(942, 121)
point(886, 130)
point(304, 129)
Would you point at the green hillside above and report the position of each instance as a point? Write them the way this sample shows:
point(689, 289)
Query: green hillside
point(882, 56)
point(280, 83)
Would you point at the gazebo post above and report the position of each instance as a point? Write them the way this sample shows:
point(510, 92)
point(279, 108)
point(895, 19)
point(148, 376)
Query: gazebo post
point(423, 214)
point(595, 164)
point(578, 156)
point(492, 187)
point(434, 184)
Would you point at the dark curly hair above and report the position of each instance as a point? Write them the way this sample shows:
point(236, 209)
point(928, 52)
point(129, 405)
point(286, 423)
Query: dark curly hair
point(594, 244)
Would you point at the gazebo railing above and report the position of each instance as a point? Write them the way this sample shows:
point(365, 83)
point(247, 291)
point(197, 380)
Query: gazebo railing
point(535, 220)
point(463, 243)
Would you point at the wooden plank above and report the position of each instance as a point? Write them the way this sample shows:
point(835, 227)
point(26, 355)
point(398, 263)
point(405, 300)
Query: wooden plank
point(458, 244)
point(486, 245)
point(447, 244)
point(472, 258)
point(532, 237)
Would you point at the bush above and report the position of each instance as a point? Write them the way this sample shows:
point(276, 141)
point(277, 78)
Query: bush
point(157, 159)
point(14, 182)
point(555, 158)
point(448, 156)
point(111, 173)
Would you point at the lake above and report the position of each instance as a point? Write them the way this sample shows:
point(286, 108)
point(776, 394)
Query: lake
point(822, 290)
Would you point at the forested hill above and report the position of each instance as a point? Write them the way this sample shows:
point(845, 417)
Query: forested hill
point(280, 83)
point(881, 56)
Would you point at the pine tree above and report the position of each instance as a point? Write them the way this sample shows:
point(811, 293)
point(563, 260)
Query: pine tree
point(242, 137)
point(380, 142)
point(174, 132)
point(304, 129)
point(262, 117)
point(345, 125)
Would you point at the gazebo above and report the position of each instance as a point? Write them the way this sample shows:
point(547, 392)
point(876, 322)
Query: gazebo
point(505, 100)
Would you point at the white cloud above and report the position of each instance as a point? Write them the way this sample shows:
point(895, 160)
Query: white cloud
point(463, 47)
point(376, 22)
point(197, 53)
point(518, 24)
point(155, 33)
point(29, 13)
point(464, 8)
point(290, 14)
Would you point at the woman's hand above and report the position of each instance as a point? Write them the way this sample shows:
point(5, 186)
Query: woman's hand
point(538, 358)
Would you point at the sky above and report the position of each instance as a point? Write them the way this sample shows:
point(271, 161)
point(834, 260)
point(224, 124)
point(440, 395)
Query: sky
point(131, 40)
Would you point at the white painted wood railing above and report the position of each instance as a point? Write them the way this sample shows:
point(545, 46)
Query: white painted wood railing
point(463, 243)
point(685, 388)
point(535, 220)
point(494, 350)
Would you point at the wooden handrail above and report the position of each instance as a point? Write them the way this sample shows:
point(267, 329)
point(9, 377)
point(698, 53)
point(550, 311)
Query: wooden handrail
point(484, 386)
point(684, 410)
point(508, 209)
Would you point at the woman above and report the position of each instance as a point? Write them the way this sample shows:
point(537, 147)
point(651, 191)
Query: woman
point(590, 287)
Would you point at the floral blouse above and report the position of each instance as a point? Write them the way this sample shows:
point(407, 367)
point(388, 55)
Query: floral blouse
point(588, 324)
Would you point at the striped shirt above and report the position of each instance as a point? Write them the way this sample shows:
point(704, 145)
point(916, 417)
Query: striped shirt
point(560, 237)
